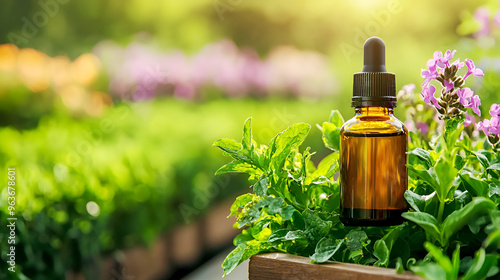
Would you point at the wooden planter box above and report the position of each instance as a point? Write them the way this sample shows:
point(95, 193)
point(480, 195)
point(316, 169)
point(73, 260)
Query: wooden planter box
point(290, 267)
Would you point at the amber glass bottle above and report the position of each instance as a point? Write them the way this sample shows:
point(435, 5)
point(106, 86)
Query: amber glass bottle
point(373, 146)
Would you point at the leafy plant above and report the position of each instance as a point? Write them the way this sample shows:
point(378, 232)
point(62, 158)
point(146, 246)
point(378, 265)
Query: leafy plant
point(453, 196)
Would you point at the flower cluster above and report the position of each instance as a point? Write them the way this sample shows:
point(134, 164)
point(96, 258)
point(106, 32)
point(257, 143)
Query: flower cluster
point(42, 75)
point(138, 72)
point(491, 127)
point(454, 98)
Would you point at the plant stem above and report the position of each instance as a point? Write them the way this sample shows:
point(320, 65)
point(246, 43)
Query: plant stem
point(441, 211)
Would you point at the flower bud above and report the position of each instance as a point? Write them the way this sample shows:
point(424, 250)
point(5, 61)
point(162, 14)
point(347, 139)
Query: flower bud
point(442, 103)
point(441, 110)
point(458, 83)
point(493, 139)
point(455, 112)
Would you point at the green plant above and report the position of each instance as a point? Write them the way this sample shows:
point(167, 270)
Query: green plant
point(294, 208)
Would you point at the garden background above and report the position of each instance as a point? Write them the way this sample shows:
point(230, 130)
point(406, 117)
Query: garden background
point(108, 110)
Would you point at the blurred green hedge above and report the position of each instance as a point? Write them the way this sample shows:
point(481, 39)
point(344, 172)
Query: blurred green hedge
point(88, 187)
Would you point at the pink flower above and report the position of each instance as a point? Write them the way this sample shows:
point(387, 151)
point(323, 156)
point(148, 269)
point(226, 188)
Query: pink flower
point(423, 127)
point(495, 125)
point(428, 95)
point(443, 61)
point(482, 15)
point(469, 119)
point(429, 74)
point(495, 110)
point(449, 85)
point(496, 19)
point(483, 126)
point(476, 102)
point(459, 64)
point(472, 69)
point(465, 95)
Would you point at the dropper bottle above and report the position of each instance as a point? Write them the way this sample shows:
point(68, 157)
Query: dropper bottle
point(373, 146)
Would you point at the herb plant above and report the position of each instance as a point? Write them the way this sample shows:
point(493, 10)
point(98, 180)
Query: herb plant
point(453, 224)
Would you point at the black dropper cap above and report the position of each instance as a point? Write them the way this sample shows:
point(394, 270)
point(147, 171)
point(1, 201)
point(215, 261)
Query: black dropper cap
point(374, 86)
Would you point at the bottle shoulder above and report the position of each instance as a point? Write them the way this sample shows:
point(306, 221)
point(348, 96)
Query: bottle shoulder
point(388, 124)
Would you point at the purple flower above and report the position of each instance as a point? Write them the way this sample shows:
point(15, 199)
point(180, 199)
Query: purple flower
point(429, 74)
point(495, 110)
point(428, 95)
point(449, 85)
point(469, 119)
point(483, 126)
point(476, 102)
point(459, 64)
point(495, 125)
point(472, 69)
point(443, 61)
point(423, 127)
point(465, 95)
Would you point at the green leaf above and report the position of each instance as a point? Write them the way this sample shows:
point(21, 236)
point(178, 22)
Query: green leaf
point(430, 271)
point(233, 259)
point(260, 187)
point(242, 253)
point(422, 203)
point(295, 234)
point(228, 145)
point(399, 266)
point(426, 221)
point(278, 235)
point(441, 259)
point(495, 167)
point(452, 131)
point(492, 239)
point(483, 160)
point(455, 261)
point(420, 156)
point(287, 141)
point(355, 240)
point(240, 201)
point(446, 174)
point(298, 220)
point(326, 248)
point(246, 142)
point(287, 212)
point(381, 252)
point(238, 167)
point(327, 167)
point(475, 186)
point(459, 218)
point(427, 175)
point(482, 265)
point(315, 226)
point(331, 136)
point(336, 118)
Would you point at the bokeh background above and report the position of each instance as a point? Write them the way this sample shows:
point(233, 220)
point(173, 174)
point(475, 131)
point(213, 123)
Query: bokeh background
point(108, 110)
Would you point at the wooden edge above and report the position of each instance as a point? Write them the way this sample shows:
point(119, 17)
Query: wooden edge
point(285, 266)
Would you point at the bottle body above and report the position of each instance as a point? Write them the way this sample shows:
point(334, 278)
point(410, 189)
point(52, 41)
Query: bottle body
point(373, 171)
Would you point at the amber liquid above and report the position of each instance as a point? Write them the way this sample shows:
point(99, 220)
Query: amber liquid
point(373, 178)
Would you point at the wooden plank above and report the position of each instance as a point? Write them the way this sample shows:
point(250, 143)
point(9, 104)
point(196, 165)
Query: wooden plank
point(284, 266)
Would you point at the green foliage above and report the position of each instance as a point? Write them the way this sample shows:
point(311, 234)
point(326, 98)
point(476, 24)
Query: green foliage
point(453, 200)
point(145, 170)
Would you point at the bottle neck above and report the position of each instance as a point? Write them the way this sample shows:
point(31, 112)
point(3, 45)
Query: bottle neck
point(374, 111)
